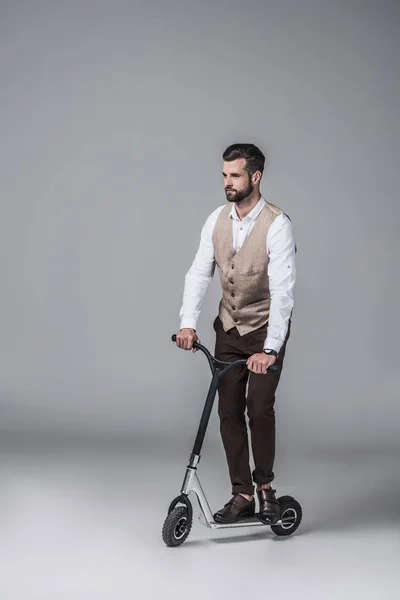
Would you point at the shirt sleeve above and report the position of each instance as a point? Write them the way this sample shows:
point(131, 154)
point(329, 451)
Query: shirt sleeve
point(281, 250)
point(199, 275)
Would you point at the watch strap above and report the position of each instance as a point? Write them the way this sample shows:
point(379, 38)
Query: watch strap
point(273, 352)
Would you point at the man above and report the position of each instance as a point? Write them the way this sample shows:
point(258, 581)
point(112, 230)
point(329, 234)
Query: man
point(251, 242)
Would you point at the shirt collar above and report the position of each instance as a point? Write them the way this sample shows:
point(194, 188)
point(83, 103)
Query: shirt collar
point(253, 214)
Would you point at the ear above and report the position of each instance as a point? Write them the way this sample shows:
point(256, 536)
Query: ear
point(256, 177)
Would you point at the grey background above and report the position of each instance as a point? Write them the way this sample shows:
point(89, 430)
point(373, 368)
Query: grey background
point(113, 118)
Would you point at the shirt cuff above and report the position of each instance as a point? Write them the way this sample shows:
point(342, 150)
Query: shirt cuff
point(272, 344)
point(188, 323)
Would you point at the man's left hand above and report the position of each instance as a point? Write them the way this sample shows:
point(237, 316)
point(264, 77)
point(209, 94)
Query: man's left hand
point(260, 362)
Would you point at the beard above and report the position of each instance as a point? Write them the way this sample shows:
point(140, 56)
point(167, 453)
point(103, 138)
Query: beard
point(233, 195)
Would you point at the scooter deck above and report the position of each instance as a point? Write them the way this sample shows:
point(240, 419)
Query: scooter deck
point(243, 522)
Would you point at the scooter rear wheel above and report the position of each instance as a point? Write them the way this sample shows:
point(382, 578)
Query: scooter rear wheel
point(290, 514)
point(176, 526)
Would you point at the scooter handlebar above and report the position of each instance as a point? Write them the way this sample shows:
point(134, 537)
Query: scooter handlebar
point(273, 368)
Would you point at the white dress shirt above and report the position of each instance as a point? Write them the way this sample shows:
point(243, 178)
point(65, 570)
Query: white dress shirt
point(281, 270)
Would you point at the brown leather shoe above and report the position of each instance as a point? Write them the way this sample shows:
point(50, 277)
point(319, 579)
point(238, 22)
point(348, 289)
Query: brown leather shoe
point(237, 508)
point(269, 506)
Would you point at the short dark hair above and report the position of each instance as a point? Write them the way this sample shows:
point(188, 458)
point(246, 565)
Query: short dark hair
point(255, 159)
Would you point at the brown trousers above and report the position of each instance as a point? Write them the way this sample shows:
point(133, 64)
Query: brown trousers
point(260, 401)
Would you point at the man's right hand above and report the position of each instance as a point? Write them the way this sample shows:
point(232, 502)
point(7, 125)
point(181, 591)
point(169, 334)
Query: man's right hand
point(186, 338)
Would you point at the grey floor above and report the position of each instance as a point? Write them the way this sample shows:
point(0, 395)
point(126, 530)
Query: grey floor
point(82, 520)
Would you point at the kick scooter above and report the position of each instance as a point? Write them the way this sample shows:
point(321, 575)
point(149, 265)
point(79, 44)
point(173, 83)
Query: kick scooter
point(178, 522)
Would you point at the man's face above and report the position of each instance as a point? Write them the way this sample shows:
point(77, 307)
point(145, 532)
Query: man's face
point(237, 181)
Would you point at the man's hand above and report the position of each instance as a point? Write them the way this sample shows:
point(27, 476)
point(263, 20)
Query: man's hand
point(260, 362)
point(186, 338)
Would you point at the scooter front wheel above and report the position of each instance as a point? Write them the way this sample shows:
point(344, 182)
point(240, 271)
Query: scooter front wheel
point(176, 526)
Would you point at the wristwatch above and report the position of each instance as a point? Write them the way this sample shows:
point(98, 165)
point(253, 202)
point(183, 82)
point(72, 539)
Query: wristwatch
point(273, 352)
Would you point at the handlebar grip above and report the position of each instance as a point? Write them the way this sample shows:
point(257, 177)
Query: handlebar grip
point(195, 344)
point(272, 369)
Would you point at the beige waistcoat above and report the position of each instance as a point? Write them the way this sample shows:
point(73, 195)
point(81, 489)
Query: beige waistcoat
point(245, 301)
